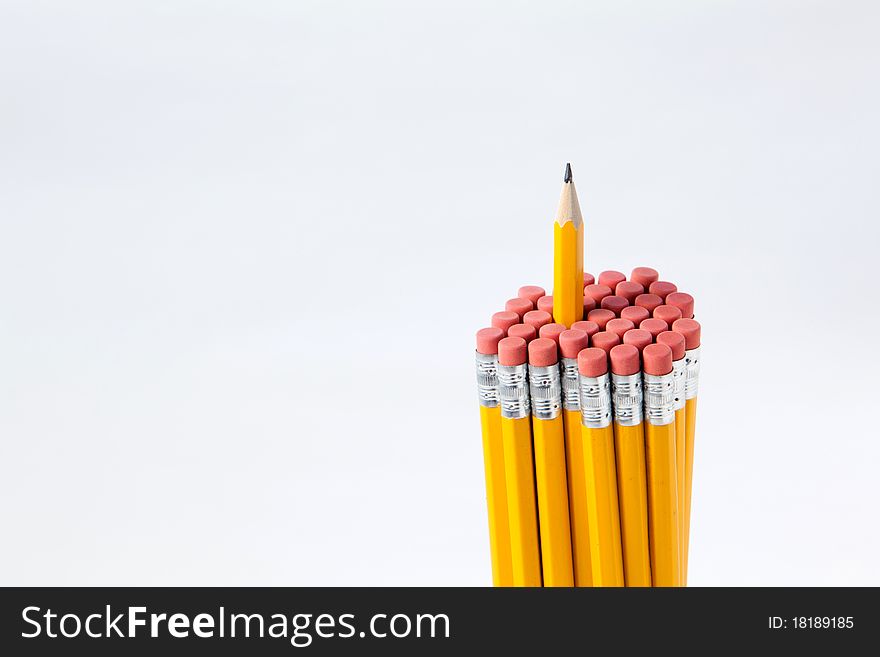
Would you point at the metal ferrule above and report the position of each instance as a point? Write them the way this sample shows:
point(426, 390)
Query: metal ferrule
point(679, 374)
point(513, 391)
point(546, 392)
point(626, 398)
point(571, 391)
point(659, 399)
point(595, 401)
point(692, 377)
point(487, 379)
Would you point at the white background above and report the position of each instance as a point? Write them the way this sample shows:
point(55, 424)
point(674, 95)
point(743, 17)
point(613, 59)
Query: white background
point(244, 247)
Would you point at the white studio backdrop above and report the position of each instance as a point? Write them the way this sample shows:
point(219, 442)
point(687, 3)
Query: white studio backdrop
point(244, 248)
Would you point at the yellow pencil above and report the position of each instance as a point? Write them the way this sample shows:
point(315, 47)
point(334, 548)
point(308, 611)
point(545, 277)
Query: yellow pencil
point(629, 438)
point(571, 343)
point(598, 440)
point(568, 258)
point(519, 468)
point(546, 399)
point(691, 330)
point(660, 448)
point(493, 454)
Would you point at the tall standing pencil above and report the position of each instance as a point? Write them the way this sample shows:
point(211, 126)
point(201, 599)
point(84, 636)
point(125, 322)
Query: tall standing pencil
point(493, 454)
point(568, 256)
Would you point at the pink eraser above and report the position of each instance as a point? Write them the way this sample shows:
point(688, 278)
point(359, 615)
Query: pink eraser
point(667, 313)
point(488, 339)
point(504, 320)
point(537, 318)
point(648, 301)
point(644, 276)
point(605, 340)
point(542, 352)
point(590, 328)
point(572, 341)
point(690, 329)
point(654, 326)
point(597, 292)
point(531, 292)
point(619, 326)
point(589, 304)
point(592, 362)
point(512, 351)
point(519, 306)
point(635, 314)
point(614, 303)
point(683, 301)
point(674, 341)
point(639, 338)
point(551, 331)
point(657, 359)
point(662, 289)
point(525, 331)
point(545, 303)
point(611, 278)
point(589, 279)
point(624, 360)
point(629, 290)
point(601, 317)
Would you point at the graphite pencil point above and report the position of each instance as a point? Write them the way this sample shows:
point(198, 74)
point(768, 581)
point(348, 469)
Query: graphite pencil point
point(567, 177)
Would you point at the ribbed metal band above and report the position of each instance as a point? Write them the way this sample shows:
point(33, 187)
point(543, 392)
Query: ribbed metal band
point(679, 374)
point(513, 390)
point(571, 392)
point(626, 398)
point(487, 379)
point(692, 378)
point(659, 399)
point(595, 401)
point(546, 392)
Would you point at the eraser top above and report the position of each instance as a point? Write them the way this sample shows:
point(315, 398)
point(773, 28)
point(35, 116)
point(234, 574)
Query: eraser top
point(639, 338)
point(649, 301)
point(619, 326)
point(572, 341)
point(545, 303)
point(667, 313)
point(542, 352)
point(537, 318)
point(592, 362)
point(504, 320)
point(597, 292)
point(512, 351)
point(531, 292)
point(488, 339)
point(635, 314)
point(662, 289)
point(519, 305)
point(624, 360)
point(657, 359)
point(601, 316)
point(605, 340)
point(654, 326)
point(611, 278)
point(674, 341)
point(525, 331)
point(589, 304)
point(614, 303)
point(644, 276)
point(589, 279)
point(690, 329)
point(551, 331)
point(683, 301)
point(629, 290)
point(590, 328)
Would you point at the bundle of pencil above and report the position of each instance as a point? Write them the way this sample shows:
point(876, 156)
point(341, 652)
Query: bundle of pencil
point(588, 405)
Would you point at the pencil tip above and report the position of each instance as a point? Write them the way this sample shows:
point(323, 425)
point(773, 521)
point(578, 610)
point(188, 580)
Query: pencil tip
point(567, 172)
